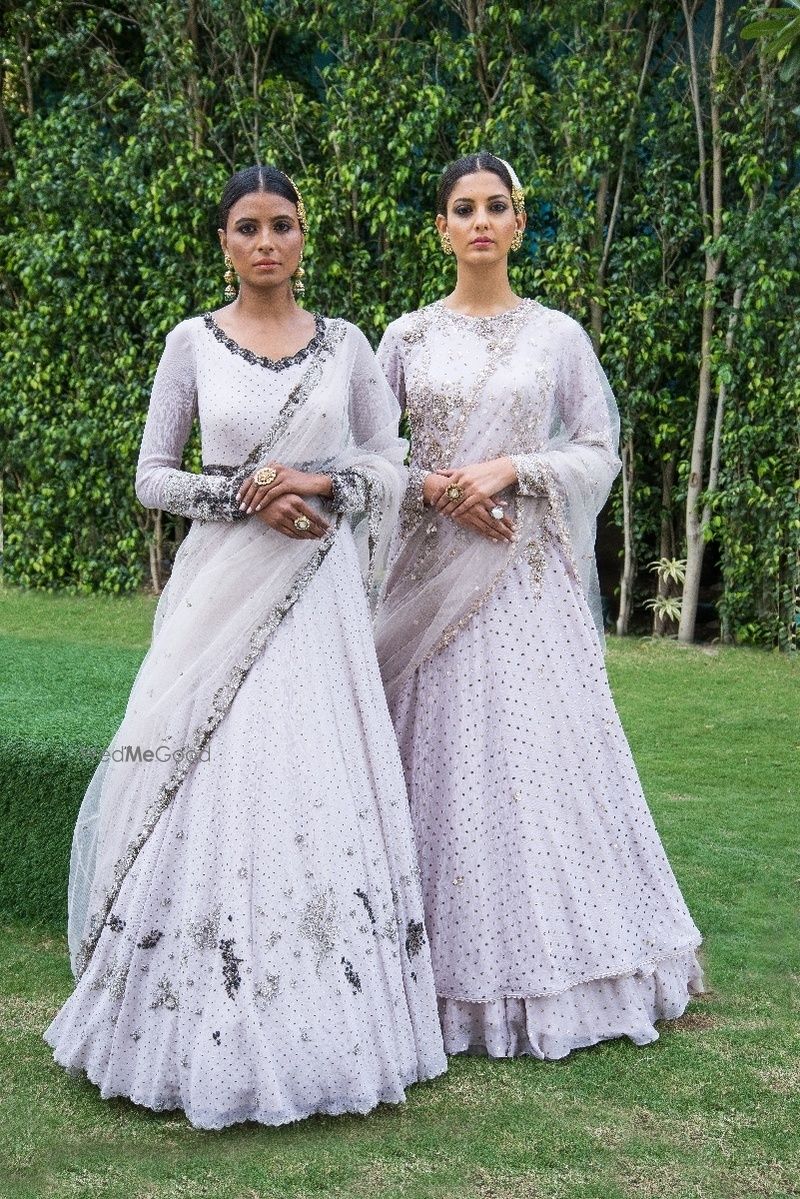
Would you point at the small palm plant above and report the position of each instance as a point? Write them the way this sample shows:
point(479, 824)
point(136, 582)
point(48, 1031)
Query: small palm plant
point(666, 606)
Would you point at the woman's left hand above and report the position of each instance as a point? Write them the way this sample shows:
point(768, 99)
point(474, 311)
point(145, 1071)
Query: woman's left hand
point(253, 496)
point(479, 482)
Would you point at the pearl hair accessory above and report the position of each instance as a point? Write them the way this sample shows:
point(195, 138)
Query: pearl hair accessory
point(517, 190)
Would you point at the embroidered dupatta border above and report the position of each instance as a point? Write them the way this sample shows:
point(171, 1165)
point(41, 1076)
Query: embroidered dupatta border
point(553, 525)
point(225, 694)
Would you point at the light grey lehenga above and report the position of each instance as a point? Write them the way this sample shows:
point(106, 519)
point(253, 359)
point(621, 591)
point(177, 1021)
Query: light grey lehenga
point(246, 920)
point(554, 918)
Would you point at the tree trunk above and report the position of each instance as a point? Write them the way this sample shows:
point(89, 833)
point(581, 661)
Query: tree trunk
point(193, 31)
point(604, 233)
point(694, 532)
point(597, 301)
point(628, 575)
point(712, 227)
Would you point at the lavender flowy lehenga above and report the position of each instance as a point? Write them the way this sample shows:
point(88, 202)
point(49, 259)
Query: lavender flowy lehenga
point(554, 918)
point(246, 923)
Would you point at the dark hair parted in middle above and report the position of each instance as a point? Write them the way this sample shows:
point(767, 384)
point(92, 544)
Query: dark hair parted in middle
point(259, 179)
point(468, 165)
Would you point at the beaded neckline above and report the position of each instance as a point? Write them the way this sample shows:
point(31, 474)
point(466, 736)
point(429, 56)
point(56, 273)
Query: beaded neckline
point(274, 364)
point(506, 317)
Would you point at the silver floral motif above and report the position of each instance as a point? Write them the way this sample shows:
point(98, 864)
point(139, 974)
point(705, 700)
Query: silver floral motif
point(351, 975)
point(267, 991)
point(362, 895)
point(165, 996)
point(536, 478)
point(231, 975)
point(113, 978)
point(537, 560)
point(415, 938)
point(150, 940)
point(204, 933)
point(319, 923)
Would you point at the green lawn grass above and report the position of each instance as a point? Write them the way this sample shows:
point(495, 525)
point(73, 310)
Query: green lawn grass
point(711, 1110)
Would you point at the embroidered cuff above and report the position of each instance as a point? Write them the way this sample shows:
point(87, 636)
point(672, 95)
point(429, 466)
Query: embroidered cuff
point(534, 477)
point(413, 504)
point(348, 491)
point(204, 497)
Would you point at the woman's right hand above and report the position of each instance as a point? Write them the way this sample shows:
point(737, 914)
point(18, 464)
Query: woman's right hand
point(281, 513)
point(477, 518)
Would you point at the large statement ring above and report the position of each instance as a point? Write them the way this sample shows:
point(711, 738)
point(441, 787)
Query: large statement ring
point(454, 492)
point(265, 476)
point(497, 512)
point(302, 524)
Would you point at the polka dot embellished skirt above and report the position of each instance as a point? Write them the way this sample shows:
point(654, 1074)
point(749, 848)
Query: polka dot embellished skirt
point(266, 958)
point(554, 918)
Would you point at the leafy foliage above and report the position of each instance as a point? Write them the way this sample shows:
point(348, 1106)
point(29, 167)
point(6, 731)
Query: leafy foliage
point(119, 127)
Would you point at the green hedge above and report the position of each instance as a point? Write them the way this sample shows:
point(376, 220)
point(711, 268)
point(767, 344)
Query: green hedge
point(41, 787)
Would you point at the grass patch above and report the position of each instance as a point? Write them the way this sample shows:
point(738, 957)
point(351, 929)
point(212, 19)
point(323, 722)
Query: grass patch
point(709, 1111)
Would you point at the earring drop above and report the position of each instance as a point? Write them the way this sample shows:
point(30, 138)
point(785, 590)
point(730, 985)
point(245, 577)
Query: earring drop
point(298, 287)
point(230, 280)
point(446, 244)
point(516, 241)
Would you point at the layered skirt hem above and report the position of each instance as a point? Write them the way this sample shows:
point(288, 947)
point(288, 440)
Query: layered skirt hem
point(549, 1027)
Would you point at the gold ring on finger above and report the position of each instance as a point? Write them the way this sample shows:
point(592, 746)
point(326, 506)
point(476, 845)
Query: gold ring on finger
point(302, 524)
point(454, 492)
point(265, 476)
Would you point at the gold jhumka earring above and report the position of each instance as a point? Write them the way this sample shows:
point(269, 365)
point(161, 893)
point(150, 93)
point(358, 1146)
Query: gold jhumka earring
point(230, 280)
point(298, 287)
point(516, 240)
point(446, 244)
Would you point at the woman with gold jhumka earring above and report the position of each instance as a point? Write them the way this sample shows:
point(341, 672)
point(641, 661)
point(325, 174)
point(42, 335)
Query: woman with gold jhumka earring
point(245, 917)
point(554, 918)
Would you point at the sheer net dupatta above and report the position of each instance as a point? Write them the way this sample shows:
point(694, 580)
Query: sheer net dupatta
point(440, 574)
point(231, 585)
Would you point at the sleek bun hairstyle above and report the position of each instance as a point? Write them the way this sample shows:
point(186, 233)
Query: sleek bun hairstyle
point(468, 165)
point(259, 179)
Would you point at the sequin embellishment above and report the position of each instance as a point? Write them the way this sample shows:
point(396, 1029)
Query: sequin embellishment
point(319, 923)
point(230, 967)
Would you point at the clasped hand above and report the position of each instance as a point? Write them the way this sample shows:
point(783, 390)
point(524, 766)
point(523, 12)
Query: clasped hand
point(479, 484)
point(279, 503)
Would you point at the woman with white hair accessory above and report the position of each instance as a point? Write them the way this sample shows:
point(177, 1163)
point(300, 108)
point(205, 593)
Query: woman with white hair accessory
point(554, 918)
